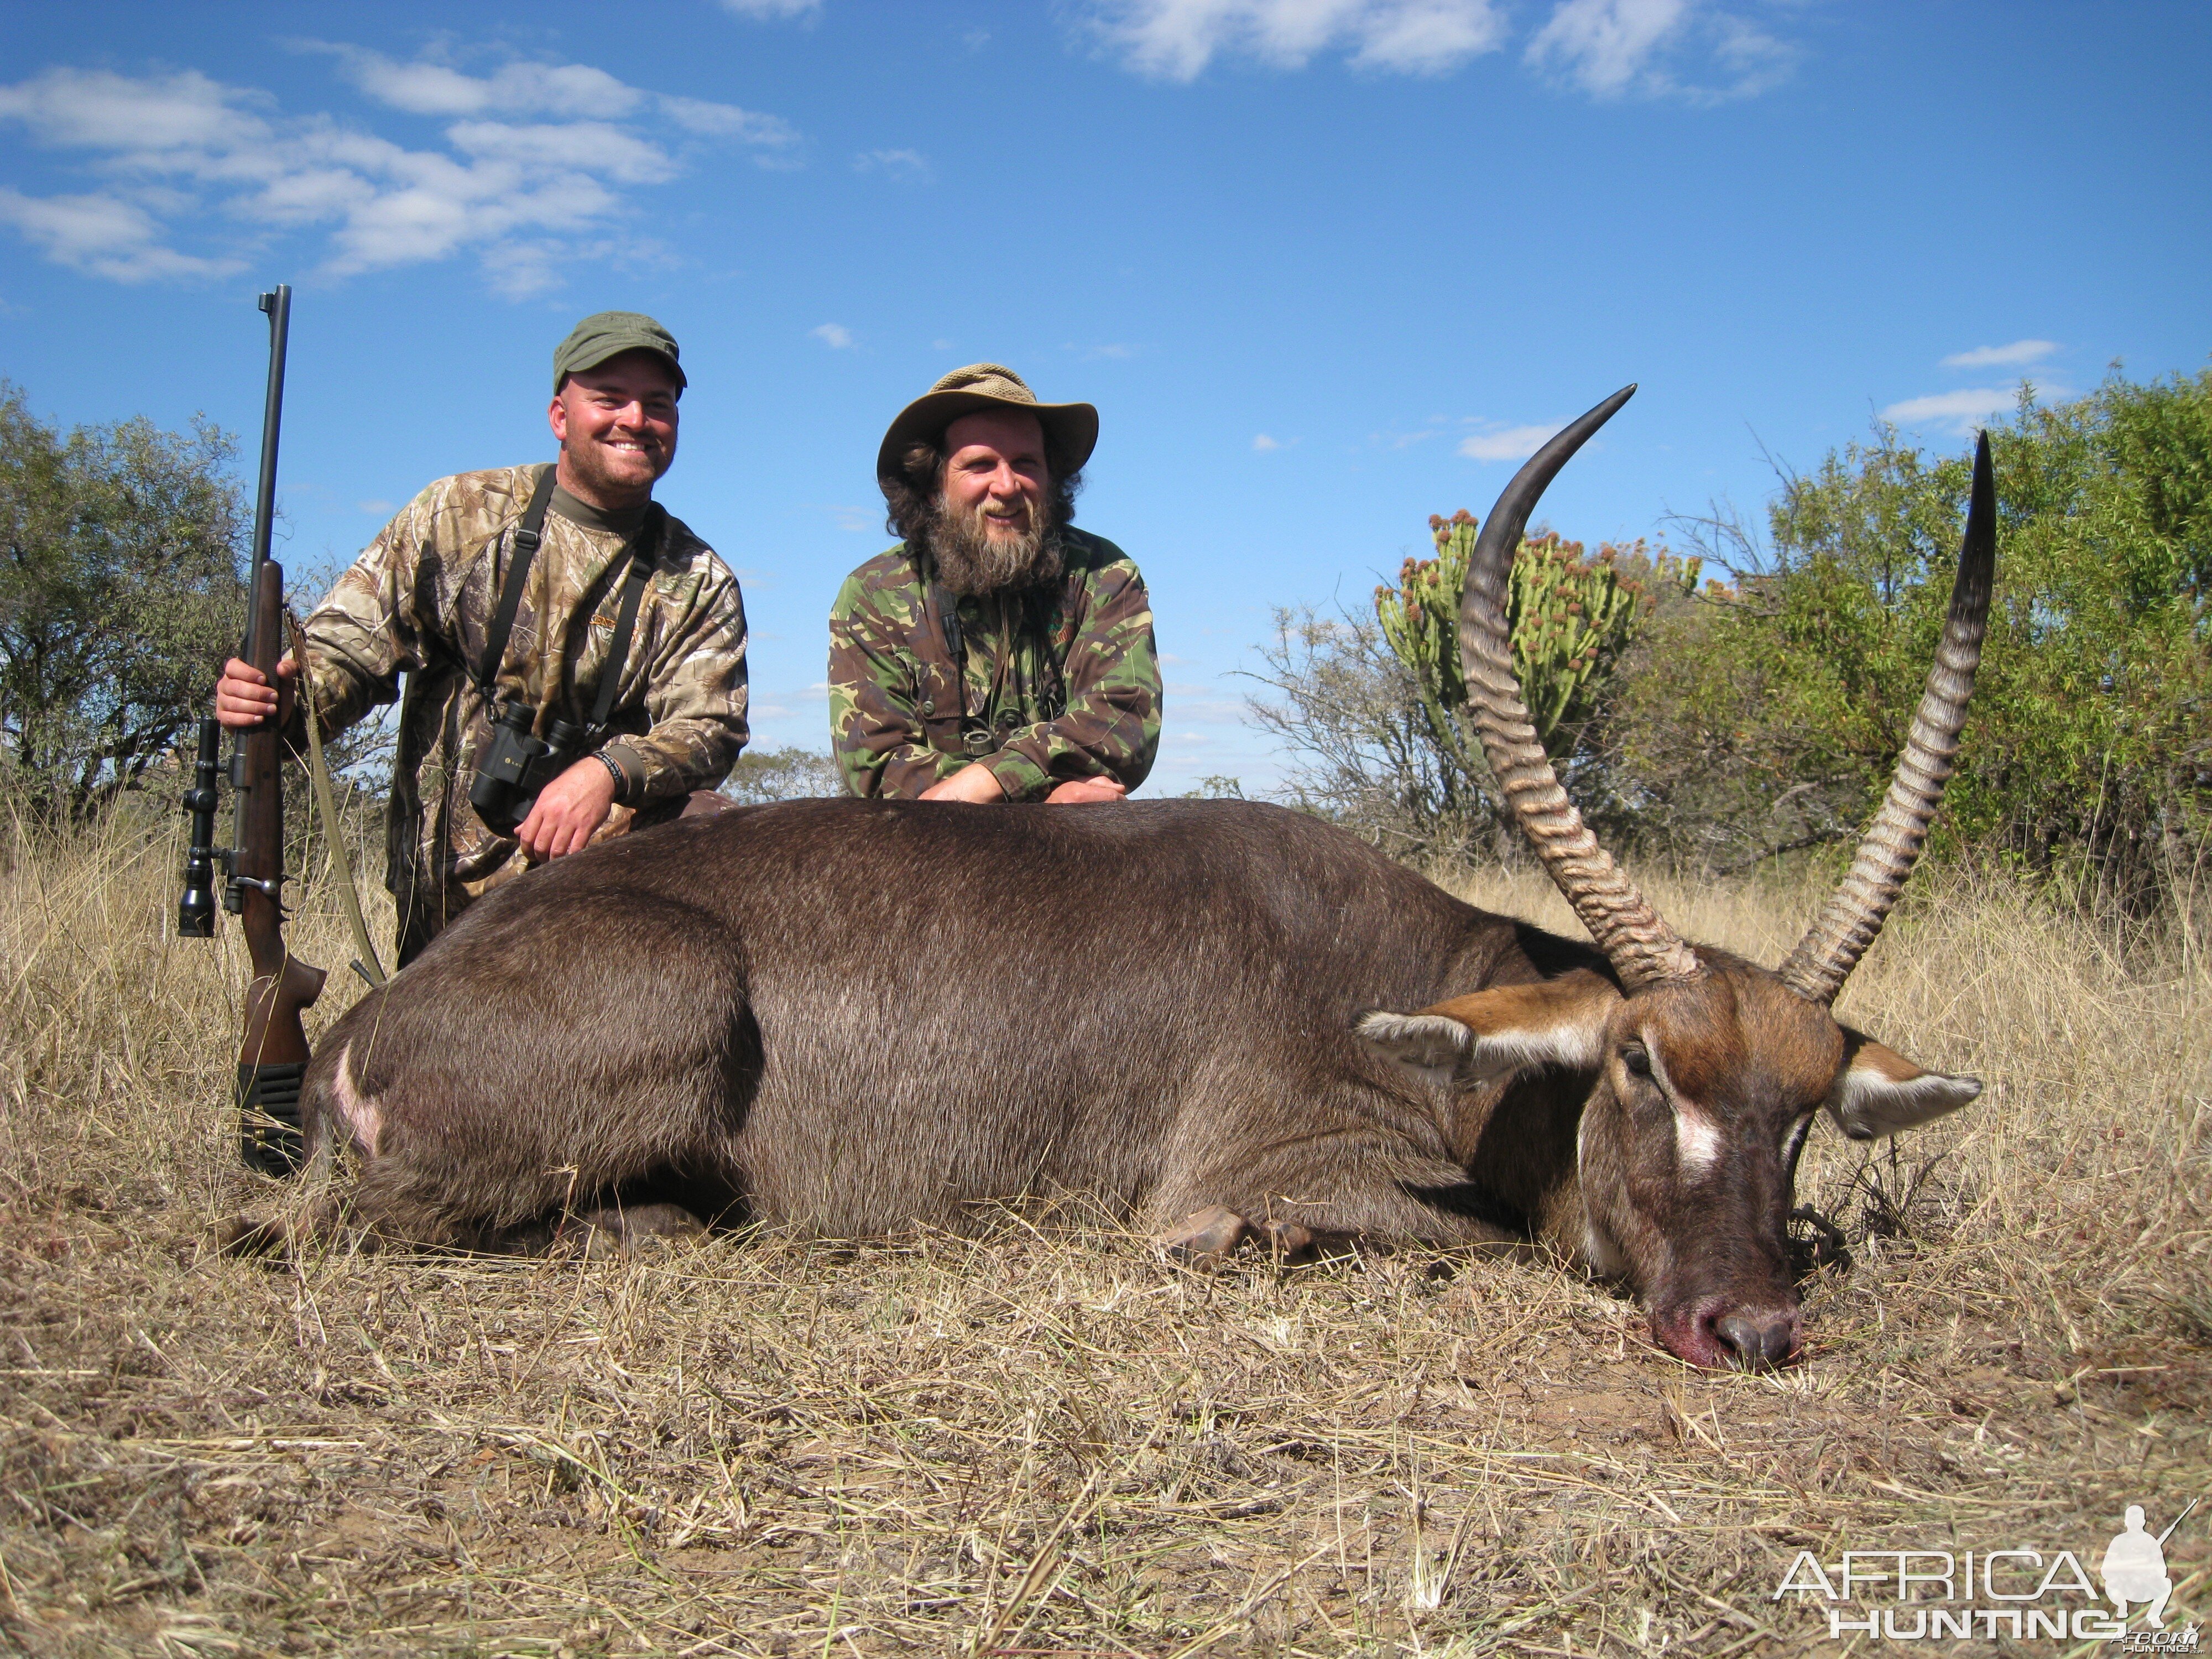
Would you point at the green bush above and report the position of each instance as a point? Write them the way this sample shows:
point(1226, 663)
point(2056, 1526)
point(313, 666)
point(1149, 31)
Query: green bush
point(1762, 715)
point(1768, 714)
point(119, 596)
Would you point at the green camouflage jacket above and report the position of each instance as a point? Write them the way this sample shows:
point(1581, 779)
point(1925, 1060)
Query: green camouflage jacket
point(1059, 683)
point(421, 599)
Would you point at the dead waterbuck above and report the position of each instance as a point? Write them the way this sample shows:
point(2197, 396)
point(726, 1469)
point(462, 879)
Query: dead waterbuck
point(851, 1017)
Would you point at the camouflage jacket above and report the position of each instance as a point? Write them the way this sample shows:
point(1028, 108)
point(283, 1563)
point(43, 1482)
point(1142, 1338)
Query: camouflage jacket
point(1058, 684)
point(421, 599)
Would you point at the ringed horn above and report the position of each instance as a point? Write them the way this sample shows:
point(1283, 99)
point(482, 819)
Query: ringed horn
point(1831, 947)
point(1642, 948)
point(1635, 937)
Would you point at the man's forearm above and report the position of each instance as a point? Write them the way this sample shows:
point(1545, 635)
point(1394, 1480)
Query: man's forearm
point(974, 783)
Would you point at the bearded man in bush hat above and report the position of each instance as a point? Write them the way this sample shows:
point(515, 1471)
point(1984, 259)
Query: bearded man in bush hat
point(997, 653)
point(508, 590)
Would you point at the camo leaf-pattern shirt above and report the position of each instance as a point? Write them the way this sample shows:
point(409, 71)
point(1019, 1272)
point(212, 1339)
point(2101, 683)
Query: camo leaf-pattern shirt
point(1059, 683)
point(420, 600)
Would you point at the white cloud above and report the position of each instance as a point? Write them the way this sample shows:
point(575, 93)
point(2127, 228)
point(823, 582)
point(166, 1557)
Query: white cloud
point(105, 237)
point(1960, 411)
point(712, 120)
point(1658, 48)
point(898, 163)
point(1175, 40)
point(1263, 443)
point(530, 198)
point(428, 87)
point(772, 10)
point(2003, 356)
point(1512, 443)
point(583, 147)
point(835, 336)
point(156, 115)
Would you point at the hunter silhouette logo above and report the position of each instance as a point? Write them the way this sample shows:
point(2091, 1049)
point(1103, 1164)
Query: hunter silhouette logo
point(2135, 1567)
point(2022, 1594)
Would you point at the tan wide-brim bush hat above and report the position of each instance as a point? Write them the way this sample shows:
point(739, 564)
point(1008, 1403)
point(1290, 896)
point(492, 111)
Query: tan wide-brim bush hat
point(1070, 430)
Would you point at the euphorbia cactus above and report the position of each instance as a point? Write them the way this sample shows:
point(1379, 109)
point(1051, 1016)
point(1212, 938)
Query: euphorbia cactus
point(1571, 618)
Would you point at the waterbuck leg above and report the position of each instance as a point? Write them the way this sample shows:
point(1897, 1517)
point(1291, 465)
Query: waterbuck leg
point(1204, 1235)
point(1213, 1234)
point(628, 1230)
point(1324, 1189)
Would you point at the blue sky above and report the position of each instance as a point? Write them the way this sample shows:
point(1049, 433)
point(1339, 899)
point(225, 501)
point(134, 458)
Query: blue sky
point(1326, 266)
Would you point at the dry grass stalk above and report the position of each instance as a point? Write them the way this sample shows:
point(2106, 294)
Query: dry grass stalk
point(1037, 1439)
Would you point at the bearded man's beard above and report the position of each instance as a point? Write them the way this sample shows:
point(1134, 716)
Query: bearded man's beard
point(973, 561)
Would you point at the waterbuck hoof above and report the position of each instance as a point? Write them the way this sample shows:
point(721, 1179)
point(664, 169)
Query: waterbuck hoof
point(1206, 1236)
point(629, 1230)
point(1288, 1241)
point(242, 1235)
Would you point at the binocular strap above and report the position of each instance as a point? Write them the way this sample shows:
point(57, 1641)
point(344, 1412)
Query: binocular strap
point(529, 532)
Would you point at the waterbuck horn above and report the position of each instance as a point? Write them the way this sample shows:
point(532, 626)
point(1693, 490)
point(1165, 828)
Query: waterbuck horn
point(1642, 947)
point(1825, 956)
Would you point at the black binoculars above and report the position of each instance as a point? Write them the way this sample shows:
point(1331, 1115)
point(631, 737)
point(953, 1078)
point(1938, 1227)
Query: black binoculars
point(517, 763)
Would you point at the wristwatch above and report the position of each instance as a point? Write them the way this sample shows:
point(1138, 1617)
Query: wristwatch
point(615, 769)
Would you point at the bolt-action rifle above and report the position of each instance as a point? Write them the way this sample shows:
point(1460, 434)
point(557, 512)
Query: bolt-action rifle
point(272, 1052)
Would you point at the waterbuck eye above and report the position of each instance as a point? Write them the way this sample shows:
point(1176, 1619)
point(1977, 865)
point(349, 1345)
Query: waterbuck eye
point(1637, 1062)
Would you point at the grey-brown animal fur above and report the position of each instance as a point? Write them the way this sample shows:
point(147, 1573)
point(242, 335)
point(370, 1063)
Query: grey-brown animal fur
point(856, 1015)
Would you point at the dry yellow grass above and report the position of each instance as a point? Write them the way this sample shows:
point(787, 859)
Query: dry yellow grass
point(1042, 1440)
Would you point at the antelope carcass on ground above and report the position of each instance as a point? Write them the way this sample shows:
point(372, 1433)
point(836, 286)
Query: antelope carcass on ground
point(854, 1016)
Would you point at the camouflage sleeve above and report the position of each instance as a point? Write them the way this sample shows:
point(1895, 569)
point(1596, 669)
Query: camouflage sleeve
point(876, 731)
point(371, 627)
point(697, 692)
point(1112, 721)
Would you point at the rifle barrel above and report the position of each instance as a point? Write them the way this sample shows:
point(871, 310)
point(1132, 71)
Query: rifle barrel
point(278, 305)
point(2178, 1520)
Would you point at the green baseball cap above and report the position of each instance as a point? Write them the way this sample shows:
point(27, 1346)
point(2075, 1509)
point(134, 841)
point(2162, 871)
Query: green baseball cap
point(607, 334)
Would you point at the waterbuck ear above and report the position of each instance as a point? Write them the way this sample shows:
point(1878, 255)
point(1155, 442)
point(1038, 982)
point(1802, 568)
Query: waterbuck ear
point(1555, 1022)
point(1881, 1092)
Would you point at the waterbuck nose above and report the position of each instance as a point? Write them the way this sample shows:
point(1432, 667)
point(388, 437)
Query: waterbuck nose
point(1758, 1340)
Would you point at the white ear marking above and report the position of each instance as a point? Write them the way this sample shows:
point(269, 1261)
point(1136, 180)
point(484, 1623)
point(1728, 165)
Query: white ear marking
point(1867, 1103)
point(1577, 1045)
point(1427, 1042)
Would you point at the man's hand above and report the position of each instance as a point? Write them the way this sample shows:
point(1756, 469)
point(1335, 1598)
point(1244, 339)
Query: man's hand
point(244, 697)
point(568, 809)
point(1076, 791)
point(973, 782)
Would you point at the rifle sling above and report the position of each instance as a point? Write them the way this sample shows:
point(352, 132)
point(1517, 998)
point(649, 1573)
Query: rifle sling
point(527, 534)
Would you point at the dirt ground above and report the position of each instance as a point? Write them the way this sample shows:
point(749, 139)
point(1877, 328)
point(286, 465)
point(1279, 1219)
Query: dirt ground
point(1040, 1440)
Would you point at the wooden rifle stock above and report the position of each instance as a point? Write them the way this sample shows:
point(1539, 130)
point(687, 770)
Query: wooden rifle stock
point(272, 1053)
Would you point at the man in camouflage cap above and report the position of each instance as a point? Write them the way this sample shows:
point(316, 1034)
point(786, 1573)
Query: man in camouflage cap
point(997, 653)
point(422, 600)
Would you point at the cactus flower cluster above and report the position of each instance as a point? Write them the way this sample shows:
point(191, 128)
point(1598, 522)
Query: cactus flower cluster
point(1572, 617)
